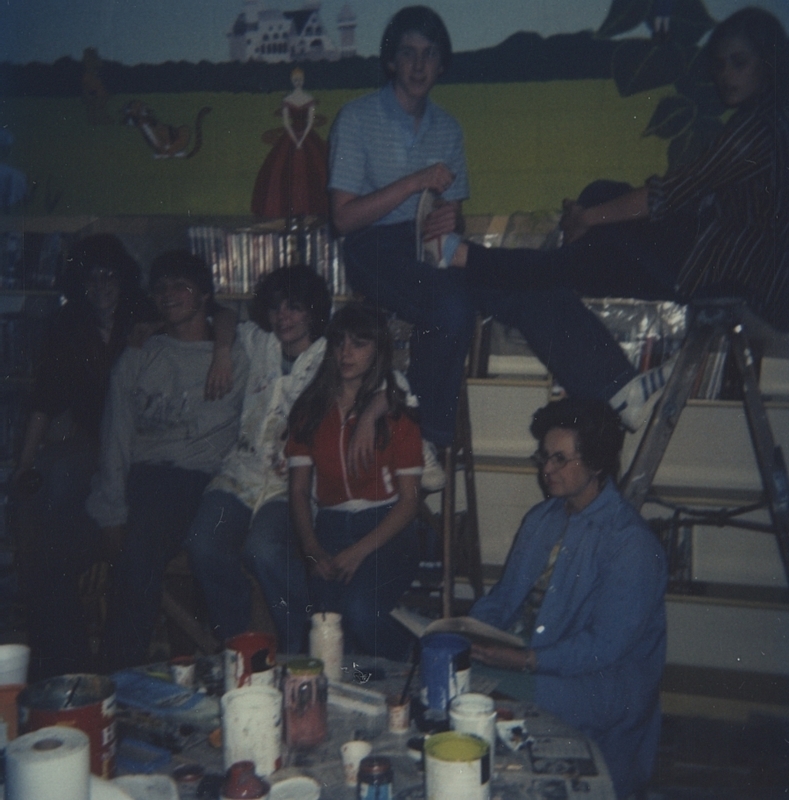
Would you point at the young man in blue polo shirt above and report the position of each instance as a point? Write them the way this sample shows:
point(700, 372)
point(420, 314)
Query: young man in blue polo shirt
point(387, 148)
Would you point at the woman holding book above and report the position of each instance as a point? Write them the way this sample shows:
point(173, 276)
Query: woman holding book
point(583, 586)
point(362, 547)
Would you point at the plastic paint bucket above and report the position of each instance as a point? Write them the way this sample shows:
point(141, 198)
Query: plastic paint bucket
point(252, 728)
point(457, 767)
point(86, 702)
point(14, 659)
point(475, 714)
point(445, 668)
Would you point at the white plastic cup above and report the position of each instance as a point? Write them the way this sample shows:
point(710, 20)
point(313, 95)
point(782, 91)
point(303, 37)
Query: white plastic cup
point(14, 659)
point(352, 755)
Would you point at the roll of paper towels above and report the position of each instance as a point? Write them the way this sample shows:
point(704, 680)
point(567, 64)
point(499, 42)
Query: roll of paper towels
point(49, 764)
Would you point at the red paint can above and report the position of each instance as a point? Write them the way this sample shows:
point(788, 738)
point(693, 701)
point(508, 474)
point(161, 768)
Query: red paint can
point(250, 660)
point(86, 702)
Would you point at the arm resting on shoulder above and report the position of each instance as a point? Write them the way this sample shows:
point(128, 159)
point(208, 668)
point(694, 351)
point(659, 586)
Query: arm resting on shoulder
point(219, 380)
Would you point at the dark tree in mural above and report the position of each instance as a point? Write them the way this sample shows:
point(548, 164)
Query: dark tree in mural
point(691, 118)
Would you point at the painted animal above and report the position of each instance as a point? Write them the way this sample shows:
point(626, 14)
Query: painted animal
point(166, 141)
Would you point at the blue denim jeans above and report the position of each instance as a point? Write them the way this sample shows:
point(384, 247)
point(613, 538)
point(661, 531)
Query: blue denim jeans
point(162, 502)
point(376, 586)
point(380, 262)
point(223, 536)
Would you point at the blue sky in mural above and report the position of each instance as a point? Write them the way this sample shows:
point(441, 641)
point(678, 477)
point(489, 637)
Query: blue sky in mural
point(153, 31)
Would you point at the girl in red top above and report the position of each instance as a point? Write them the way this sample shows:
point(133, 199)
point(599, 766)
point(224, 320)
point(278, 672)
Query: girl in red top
point(362, 549)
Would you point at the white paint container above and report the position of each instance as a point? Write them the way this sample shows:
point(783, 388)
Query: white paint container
point(475, 714)
point(457, 767)
point(252, 728)
point(326, 643)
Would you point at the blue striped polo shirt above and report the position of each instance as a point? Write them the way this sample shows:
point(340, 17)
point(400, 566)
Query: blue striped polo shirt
point(373, 143)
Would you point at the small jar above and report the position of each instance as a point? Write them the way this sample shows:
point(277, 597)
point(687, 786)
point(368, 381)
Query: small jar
point(326, 643)
point(241, 783)
point(305, 690)
point(375, 779)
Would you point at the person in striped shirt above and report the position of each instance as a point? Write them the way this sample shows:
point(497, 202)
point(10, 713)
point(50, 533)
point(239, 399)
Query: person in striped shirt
point(715, 227)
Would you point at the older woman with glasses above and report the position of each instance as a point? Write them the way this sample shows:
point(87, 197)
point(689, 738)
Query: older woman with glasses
point(584, 585)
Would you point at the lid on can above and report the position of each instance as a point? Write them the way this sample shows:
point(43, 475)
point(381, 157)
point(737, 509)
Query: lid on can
point(305, 666)
point(374, 770)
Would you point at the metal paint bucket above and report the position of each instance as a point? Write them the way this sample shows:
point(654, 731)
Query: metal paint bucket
point(250, 660)
point(457, 767)
point(445, 667)
point(86, 702)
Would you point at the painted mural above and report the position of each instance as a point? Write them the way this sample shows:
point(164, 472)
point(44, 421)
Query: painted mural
point(542, 114)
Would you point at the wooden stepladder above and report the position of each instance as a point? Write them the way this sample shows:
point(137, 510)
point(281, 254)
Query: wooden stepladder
point(710, 320)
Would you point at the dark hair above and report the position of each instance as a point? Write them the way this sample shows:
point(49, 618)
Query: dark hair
point(105, 250)
point(101, 250)
point(296, 284)
point(767, 37)
point(364, 322)
point(183, 264)
point(415, 19)
point(600, 433)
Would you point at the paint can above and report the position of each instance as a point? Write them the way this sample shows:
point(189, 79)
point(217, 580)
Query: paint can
point(252, 728)
point(86, 702)
point(326, 643)
point(445, 668)
point(457, 767)
point(250, 660)
point(475, 714)
point(375, 781)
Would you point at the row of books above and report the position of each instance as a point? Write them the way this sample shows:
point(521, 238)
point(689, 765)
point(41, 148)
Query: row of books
point(31, 260)
point(238, 259)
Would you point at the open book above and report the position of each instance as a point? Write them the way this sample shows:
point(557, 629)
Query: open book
point(471, 628)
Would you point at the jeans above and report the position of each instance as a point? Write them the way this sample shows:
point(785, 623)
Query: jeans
point(380, 262)
point(538, 291)
point(60, 541)
point(162, 502)
point(375, 587)
point(222, 539)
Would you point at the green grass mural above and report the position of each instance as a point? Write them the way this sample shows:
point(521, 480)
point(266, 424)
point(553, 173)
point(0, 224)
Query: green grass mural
point(528, 146)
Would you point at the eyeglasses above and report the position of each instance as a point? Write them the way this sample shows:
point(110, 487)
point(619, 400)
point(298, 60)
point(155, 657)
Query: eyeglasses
point(558, 460)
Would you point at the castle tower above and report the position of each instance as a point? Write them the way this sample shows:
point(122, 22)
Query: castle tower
point(346, 24)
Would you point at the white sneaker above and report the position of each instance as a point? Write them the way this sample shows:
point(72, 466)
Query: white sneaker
point(635, 400)
point(431, 251)
point(434, 478)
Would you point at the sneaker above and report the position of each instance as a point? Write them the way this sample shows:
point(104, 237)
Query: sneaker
point(635, 400)
point(434, 478)
point(431, 251)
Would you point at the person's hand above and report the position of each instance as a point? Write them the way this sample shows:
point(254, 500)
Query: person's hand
point(437, 177)
point(320, 563)
point(444, 218)
point(572, 221)
point(142, 331)
point(219, 380)
point(503, 656)
point(347, 562)
point(112, 538)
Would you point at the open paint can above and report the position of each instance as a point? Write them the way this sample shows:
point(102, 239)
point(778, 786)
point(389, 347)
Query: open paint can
point(86, 702)
point(445, 667)
point(457, 767)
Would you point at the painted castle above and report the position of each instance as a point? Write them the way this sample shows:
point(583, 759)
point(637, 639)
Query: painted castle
point(273, 35)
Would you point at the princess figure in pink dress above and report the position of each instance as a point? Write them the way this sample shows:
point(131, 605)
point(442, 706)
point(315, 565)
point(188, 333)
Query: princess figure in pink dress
point(292, 180)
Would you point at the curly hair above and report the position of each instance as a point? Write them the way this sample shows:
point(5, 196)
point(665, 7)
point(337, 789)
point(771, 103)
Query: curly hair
point(597, 426)
point(414, 19)
point(296, 284)
point(363, 322)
